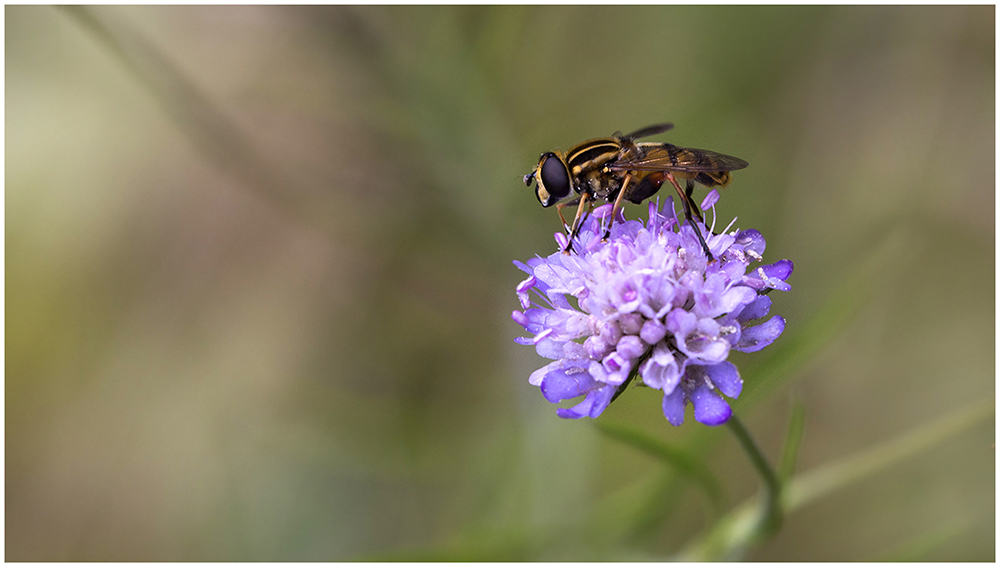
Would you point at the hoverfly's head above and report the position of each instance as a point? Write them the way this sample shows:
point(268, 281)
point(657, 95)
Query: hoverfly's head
point(552, 175)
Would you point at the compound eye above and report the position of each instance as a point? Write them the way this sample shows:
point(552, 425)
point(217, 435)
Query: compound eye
point(555, 179)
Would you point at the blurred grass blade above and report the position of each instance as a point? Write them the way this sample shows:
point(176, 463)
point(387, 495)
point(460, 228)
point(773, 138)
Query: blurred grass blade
point(826, 479)
point(209, 128)
point(204, 123)
point(917, 549)
point(793, 441)
point(803, 342)
point(509, 548)
point(731, 536)
point(631, 516)
point(685, 462)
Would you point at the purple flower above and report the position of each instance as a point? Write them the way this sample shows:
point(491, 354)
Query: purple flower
point(648, 301)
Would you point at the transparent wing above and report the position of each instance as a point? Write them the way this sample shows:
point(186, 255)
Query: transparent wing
point(668, 157)
point(649, 131)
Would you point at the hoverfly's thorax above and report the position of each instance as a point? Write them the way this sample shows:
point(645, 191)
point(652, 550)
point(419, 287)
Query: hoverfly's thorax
point(592, 155)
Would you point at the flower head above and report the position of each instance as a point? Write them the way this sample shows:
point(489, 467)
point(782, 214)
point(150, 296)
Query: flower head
point(648, 300)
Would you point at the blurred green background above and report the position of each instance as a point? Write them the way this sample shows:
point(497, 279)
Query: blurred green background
point(259, 279)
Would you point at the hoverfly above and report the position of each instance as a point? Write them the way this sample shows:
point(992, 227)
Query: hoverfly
point(618, 168)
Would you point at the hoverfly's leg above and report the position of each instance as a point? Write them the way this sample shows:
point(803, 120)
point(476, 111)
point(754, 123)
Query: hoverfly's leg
point(577, 221)
point(618, 205)
point(689, 190)
point(688, 206)
point(559, 208)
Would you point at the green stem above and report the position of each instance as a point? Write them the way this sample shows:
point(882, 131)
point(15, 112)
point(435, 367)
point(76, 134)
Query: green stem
point(770, 518)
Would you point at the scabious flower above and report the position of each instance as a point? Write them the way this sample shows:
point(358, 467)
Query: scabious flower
point(649, 300)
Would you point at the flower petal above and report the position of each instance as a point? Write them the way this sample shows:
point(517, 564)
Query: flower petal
point(561, 384)
point(719, 244)
point(709, 408)
point(661, 370)
point(705, 343)
point(780, 270)
point(673, 407)
point(734, 298)
point(616, 369)
point(653, 331)
point(536, 377)
point(752, 240)
point(760, 336)
point(596, 347)
point(625, 297)
point(592, 406)
point(630, 347)
point(754, 310)
point(630, 323)
point(726, 377)
point(524, 267)
point(711, 199)
point(549, 348)
point(770, 276)
point(681, 322)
